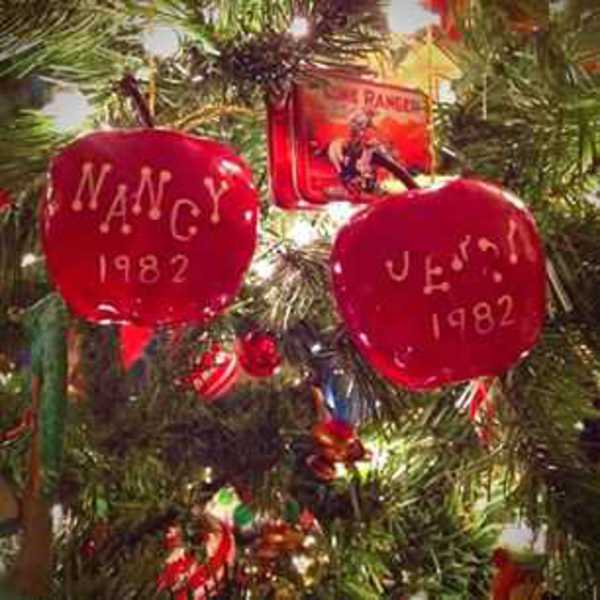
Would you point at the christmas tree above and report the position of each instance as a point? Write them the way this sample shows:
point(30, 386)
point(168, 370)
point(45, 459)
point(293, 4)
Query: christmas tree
point(227, 423)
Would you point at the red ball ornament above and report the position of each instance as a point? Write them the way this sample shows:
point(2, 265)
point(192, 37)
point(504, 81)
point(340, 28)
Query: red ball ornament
point(441, 285)
point(148, 226)
point(216, 373)
point(258, 354)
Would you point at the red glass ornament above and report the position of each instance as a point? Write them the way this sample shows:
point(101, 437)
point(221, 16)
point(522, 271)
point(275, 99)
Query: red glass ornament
point(258, 354)
point(216, 373)
point(134, 340)
point(324, 133)
point(148, 226)
point(441, 285)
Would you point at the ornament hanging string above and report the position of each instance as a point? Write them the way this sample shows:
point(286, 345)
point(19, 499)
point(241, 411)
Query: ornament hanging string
point(129, 88)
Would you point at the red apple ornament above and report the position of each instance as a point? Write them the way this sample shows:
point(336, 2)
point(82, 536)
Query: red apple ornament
point(441, 285)
point(148, 226)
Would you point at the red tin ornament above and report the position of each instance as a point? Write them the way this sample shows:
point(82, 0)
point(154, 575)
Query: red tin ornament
point(325, 134)
point(148, 226)
point(441, 285)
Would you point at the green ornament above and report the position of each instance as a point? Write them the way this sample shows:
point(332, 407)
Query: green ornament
point(243, 516)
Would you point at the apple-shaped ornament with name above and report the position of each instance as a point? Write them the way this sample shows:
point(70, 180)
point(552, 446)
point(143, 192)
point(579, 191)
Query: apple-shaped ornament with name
point(441, 285)
point(148, 226)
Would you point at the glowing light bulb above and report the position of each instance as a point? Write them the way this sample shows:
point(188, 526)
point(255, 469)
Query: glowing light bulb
point(161, 41)
point(299, 27)
point(446, 93)
point(263, 269)
point(68, 108)
point(409, 16)
point(518, 537)
point(303, 233)
point(28, 260)
point(340, 212)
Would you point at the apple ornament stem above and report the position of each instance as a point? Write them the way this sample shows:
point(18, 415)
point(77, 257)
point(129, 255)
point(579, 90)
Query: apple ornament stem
point(441, 285)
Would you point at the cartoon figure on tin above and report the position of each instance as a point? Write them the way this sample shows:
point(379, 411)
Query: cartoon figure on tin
point(352, 156)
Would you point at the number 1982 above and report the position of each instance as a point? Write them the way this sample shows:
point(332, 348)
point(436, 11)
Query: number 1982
point(147, 269)
point(483, 317)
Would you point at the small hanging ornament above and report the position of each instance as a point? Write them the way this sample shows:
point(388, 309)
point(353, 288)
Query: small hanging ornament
point(183, 574)
point(258, 354)
point(215, 373)
point(278, 538)
point(328, 136)
point(336, 442)
point(441, 285)
point(282, 547)
point(148, 226)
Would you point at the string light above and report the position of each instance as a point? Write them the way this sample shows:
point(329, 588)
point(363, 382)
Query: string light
point(303, 233)
point(299, 28)
point(68, 108)
point(409, 16)
point(28, 260)
point(518, 537)
point(263, 269)
point(161, 41)
point(340, 212)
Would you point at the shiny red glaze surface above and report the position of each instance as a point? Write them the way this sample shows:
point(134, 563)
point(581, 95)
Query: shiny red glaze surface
point(134, 341)
point(258, 353)
point(441, 285)
point(148, 226)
